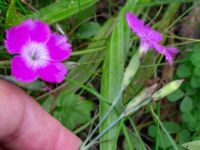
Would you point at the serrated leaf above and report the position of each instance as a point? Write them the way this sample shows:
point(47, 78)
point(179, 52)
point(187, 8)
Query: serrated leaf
point(175, 96)
point(186, 104)
point(183, 71)
point(71, 110)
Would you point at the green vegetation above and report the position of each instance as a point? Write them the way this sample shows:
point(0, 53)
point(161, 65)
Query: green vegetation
point(103, 46)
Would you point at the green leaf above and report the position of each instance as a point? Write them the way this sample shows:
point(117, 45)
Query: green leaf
point(194, 145)
point(71, 110)
point(197, 71)
point(172, 127)
point(163, 141)
point(34, 86)
point(88, 30)
point(82, 73)
point(183, 71)
point(195, 58)
point(159, 2)
point(175, 96)
point(190, 91)
point(152, 131)
point(134, 141)
point(11, 14)
point(59, 10)
point(186, 104)
point(112, 75)
point(195, 81)
point(47, 104)
point(190, 121)
point(183, 136)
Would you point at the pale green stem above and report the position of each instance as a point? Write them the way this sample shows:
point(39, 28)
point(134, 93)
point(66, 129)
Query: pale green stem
point(102, 133)
point(123, 114)
point(117, 98)
point(164, 129)
point(128, 75)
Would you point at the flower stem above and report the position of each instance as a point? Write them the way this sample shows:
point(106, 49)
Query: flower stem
point(5, 62)
point(164, 129)
point(117, 98)
point(123, 114)
point(130, 72)
point(83, 147)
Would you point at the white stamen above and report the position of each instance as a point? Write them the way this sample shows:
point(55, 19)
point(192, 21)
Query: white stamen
point(35, 55)
point(144, 47)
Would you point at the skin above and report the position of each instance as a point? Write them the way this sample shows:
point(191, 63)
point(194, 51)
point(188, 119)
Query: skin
point(24, 125)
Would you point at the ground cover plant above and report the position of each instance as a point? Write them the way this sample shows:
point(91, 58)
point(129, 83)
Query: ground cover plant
point(120, 74)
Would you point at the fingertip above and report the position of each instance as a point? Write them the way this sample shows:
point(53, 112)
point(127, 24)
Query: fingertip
point(11, 109)
point(68, 140)
point(22, 118)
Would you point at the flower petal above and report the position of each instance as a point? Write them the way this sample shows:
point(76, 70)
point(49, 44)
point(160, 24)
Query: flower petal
point(154, 35)
point(159, 48)
point(150, 35)
point(16, 37)
point(172, 50)
point(53, 72)
point(169, 52)
point(144, 46)
point(134, 23)
point(59, 48)
point(21, 71)
point(39, 31)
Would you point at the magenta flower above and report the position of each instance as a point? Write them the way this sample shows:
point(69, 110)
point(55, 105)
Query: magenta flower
point(149, 38)
point(38, 52)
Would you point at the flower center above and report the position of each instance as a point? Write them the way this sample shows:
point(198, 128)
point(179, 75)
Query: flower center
point(35, 55)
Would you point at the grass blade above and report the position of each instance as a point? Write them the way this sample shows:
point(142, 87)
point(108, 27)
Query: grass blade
point(112, 75)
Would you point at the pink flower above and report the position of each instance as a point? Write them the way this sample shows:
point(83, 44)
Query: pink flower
point(149, 38)
point(38, 52)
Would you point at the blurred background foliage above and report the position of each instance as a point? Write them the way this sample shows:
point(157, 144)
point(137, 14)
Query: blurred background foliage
point(102, 46)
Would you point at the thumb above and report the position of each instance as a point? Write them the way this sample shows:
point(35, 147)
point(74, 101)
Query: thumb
point(25, 125)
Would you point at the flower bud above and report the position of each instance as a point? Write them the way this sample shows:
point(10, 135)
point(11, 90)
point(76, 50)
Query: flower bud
point(140, 100)
point(131, 70)
point(167, 89)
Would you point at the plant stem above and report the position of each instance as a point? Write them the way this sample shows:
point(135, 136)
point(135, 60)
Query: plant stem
point(157, 127)
point(83, 147)
point(117, 98)
point(163, 128)
point(123, 114)
point(137, 134)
